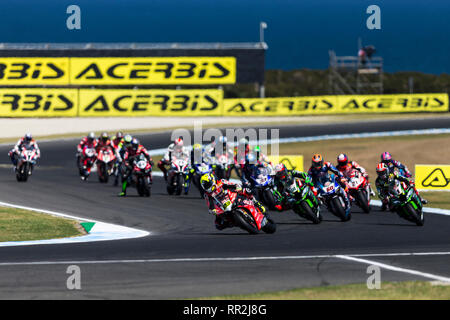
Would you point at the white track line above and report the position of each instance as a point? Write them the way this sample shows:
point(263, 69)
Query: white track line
point(224, 259)
point(393, 268)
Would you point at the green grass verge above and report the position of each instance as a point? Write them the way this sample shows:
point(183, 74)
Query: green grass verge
point(410, 290)
point(24, 225)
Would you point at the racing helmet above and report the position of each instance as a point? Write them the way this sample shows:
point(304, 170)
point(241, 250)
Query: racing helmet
point(386, 157)
point(178, 144)
point(28, 137)
point(382, 170)
point(197, 146)
point(281, 171)
point(342, 159)
point(119, 135)
point(127, 139)
point(317, 161)
point(91, 136)
point(104, 136)
point(134, 143)
point(208, 182)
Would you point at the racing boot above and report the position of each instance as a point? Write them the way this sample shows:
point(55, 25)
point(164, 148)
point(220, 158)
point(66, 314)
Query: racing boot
point(124, 189)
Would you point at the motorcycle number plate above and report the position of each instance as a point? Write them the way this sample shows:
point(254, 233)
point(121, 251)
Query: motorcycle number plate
point(226, 204)
point(330, 188)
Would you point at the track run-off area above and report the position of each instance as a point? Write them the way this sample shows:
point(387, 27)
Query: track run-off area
point(184, 256)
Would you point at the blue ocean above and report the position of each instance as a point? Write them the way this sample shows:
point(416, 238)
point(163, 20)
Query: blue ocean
point(414, 35)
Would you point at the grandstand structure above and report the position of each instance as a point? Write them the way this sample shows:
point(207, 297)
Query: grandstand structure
point(352, 75)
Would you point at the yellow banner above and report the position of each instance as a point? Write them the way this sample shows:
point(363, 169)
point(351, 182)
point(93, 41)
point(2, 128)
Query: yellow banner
point(117, 71)
point(292, 162)
point(27, 102)
point(395, 103)
point(130, 103)
point(432, 177)
point(318, 105)
point(153, 70)
point(34, 71)
point(280, 106)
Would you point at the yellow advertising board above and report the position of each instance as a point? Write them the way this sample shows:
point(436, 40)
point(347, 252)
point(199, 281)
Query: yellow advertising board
point(34, 71)
point(432, 177)
point(30, 102)
point(319, 105)
point(292, 162)
point(117, 71)
point(153, 70)
point(151, 102)
point(280, 106)
point(393, 103)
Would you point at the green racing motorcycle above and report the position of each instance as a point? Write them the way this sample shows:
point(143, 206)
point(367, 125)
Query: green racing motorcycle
point(405, 202)
point(301, 199)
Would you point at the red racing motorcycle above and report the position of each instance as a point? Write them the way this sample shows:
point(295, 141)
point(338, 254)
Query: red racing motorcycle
point(243, 213)
point(87, 161)
point(142, 175)
point(359, 189)
point(105, 164)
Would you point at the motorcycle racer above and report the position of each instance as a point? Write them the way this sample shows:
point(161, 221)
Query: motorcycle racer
point(120, 149)
point(176, 149)
point(214, 190)
point(131, 152)
point(104, 142)
point(285, 177)
point(117, 139)
point(28, 142)
point(319, 167)
point(385, 182)
point(387, 159)
point(346, 167)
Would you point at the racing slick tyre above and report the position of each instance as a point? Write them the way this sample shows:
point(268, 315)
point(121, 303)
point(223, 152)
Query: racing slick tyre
point(270, 227)
point(309, 214)
point(361, 197)
point(417, 217)
point(339, 210)
point(245, 221)
point(180, 184)
point(268, 199)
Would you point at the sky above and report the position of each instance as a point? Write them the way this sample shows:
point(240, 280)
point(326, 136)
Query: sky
point(414, 35)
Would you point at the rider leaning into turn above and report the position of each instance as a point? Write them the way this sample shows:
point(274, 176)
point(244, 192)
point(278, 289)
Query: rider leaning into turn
point(318, 167)
point(215, 190)
point(386, 181)
point(28, 142)
point(284, 178)
point(132, 151)
point(387, 159)
point(346, 167)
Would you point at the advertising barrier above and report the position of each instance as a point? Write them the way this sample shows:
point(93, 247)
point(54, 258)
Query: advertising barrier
point(134, 103)
point(432, 177)
point(60, 102)
point(319, 105)
point(292, 162)
point(117, 71)
point(38, 102)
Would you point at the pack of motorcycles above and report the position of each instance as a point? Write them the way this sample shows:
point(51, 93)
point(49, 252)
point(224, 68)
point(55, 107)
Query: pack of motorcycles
point(298, 196)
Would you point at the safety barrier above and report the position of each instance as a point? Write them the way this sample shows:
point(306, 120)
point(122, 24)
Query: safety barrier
point(72, 102)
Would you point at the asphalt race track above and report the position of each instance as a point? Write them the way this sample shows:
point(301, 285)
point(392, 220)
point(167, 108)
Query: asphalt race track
point(299, 254)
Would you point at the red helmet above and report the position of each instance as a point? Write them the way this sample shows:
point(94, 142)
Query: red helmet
point(382, 170)
point(281, 171)
point(317, 161)
point(342, 159)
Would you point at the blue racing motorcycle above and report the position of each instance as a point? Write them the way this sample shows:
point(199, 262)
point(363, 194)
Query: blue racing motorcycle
point(332, 195)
